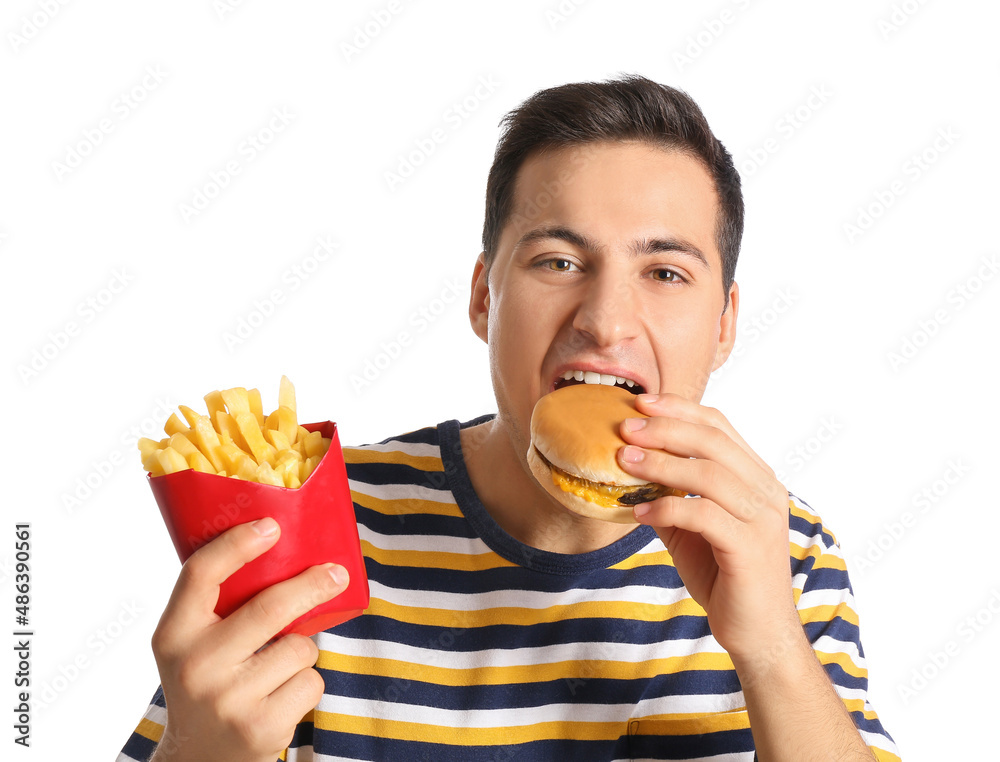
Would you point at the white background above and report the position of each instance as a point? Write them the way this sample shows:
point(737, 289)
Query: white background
point(816, 391)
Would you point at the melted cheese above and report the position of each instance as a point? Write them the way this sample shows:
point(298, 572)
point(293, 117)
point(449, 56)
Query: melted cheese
point(604, 495)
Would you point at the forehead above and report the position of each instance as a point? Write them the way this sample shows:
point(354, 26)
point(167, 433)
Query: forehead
point(616, 193)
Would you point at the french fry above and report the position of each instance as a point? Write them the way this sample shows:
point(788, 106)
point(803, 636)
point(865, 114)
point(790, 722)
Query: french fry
point(199, 462)
point(238, 441)
point(171, 461)
point(286, 394)
point(174, 426)
point(256, 406)
point(237, 400)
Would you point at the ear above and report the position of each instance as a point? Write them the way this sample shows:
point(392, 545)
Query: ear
point(479, 301)
point(727, 328)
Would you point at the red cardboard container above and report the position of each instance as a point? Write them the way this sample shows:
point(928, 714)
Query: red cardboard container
point(317, 526)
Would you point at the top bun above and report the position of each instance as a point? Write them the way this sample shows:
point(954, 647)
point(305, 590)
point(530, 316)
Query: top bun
point(576, 429)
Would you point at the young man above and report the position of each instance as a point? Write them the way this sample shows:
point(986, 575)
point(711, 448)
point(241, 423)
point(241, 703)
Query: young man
point(501, 625)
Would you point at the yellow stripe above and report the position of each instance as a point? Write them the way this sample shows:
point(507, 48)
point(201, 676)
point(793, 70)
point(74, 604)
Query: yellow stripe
point(827, 614)
point(395, 458)
point(516, 615)
point(637, 560)
point(665, 725)
point(847, 664)
point(431, 559)
point(570, 669)
point(149, 729)
point(405, 507)
point(415, 731)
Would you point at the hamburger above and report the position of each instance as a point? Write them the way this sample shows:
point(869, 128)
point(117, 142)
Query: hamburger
point(573, 452)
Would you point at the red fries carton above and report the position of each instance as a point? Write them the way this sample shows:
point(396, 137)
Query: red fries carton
point(317, 526)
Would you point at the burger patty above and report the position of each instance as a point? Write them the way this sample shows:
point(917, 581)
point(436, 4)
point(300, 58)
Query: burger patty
point(608, 495)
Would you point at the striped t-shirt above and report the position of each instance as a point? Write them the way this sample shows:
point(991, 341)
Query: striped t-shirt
point(478, 647)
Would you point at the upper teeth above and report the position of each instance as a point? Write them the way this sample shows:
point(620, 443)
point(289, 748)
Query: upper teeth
point(592, 377)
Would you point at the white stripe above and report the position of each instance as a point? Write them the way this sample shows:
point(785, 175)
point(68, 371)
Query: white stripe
point(626, 653)
point(822, 596)
point(531, 599)
point(464, 546)
point(829, 645)
point(418, 449)
point(403, 491)
point(511, 717)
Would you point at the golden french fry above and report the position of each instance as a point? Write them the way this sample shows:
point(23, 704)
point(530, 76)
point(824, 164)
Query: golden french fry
point(171, 461)
point(215, 404)
point(307, 467)
point(288, 470)
point(226, 424)
point(206, 439)
point(278, 440)
point(266, 475)
point(286, 394)
point(199, 462)
point(256, 406)
point(314, 444)
point(287, 424)
point(262, 452)
point(189, 415)
point(174, 426)
point(237, 400)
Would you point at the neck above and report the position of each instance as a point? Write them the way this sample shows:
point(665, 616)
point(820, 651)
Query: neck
point(499, 473)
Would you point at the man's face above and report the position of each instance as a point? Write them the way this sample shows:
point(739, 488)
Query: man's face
point(608, 265)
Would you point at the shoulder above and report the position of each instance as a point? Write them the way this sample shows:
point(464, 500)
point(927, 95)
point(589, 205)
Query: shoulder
point(805, 524)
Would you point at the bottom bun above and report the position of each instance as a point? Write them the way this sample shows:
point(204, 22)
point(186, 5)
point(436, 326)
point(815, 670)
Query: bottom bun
point(540, 469)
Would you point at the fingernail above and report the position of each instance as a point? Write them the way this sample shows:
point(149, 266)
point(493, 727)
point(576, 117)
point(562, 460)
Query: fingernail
point(265, 527)
point(648, 399)
point(633, 454)
point(634, 424)
point(641, 509)
point(339, 574)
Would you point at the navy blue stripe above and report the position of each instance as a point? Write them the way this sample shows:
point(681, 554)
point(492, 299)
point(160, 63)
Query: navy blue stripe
point(576, 690)
point(506, 636)
point(395, 473)
point(139, 747)
point(484, 581)
point(825, 579)
point(412, 523)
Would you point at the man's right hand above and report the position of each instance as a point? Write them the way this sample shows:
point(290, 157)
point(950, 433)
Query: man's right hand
point(226, 701)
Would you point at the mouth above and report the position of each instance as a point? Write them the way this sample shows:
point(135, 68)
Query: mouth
point(579, 376)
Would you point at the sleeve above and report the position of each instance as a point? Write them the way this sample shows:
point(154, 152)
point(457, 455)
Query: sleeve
point(148, 733)
point(825, 601)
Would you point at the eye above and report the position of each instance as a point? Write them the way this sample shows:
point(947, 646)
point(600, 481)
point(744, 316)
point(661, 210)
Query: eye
point(665, 275)
point(558, 265)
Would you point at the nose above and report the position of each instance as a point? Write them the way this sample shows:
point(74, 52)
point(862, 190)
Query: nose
point(608, 312)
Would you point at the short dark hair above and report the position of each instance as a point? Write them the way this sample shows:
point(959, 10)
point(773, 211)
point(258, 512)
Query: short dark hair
point(628, 108)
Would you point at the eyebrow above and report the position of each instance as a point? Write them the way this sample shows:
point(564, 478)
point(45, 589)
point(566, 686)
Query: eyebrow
point(638, 247)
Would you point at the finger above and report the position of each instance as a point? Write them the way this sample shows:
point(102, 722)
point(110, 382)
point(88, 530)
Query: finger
point(705, 478)
point(697, 515)
point(695, 440)
point(268, 669)
point(675, 406)
point(191, 607)
point(289, 703)
point(267, 613)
